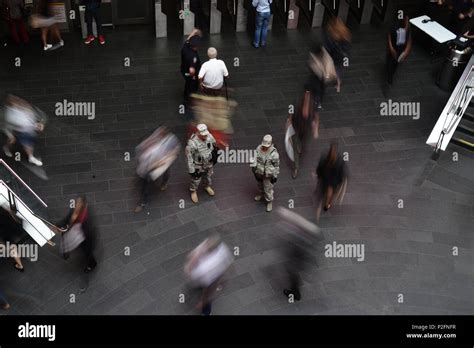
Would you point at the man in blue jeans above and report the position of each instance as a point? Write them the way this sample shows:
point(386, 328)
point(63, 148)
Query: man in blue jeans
point(261, 23)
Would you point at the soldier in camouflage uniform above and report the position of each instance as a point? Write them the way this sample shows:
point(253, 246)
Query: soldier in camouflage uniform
point(266, 167)
point(201, 153)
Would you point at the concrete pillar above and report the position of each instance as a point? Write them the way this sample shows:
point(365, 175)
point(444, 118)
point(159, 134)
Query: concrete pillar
point(216, 18)
point(160, 20)
point(343, 10)
point(318, 14)
point(242, 17)
point(293, 15)
point(367, 12)
point(188, 18)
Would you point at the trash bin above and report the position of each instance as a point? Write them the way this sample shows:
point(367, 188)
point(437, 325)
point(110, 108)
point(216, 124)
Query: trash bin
point(458, 55)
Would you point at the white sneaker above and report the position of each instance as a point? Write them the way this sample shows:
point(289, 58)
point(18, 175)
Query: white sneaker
point(47, 47)
point(35, 161)
point(61, 43)
point(7, 151)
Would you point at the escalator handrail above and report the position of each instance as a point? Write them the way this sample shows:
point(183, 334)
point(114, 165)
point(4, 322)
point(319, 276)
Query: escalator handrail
point(46, 222)
point(21, 180)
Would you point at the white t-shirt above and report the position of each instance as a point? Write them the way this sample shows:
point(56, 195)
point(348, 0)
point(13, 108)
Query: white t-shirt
point(212, 72)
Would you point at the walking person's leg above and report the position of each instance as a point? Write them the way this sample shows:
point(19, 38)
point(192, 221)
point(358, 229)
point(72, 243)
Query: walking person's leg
point(391, 68)
point(57, 34)
point(13, 31)
point(266, 19)
point(3, 301)
point(165, 179)
point(44, 37)
point(258, 29)
point(23, 31)
point(89, 18)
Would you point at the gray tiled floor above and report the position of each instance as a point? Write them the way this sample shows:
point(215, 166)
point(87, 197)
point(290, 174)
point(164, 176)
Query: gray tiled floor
point(408, 251)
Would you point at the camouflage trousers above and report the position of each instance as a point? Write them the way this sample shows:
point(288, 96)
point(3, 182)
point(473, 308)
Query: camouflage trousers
point(265, 187)
point(205, 177)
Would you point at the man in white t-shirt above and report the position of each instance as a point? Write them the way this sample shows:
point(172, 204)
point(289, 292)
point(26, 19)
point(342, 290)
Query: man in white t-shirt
point(212, 74)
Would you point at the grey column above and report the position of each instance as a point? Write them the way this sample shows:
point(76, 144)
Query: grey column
point(293, 9)
point(343, 10)
point(367, 12)
point(160, 20)
point(188, 18)
point(242, 16)
point(216, 18)
point(318, 14)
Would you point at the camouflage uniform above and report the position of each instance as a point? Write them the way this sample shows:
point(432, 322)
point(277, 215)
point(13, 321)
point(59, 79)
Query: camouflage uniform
point(199, 154)
point(266, 167)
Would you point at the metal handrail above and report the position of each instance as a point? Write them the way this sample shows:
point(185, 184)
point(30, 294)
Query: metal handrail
point(46, 222)
point(24, 184)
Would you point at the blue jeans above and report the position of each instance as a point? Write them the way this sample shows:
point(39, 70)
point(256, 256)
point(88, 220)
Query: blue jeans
point(261, 29)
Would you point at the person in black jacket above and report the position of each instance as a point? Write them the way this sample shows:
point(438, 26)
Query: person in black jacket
point(331, 173)
point(93, 13)
point(337, 42)
point(191, 64)
point(81, 214)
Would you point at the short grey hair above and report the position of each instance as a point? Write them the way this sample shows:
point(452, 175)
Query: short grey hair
point(212, 53)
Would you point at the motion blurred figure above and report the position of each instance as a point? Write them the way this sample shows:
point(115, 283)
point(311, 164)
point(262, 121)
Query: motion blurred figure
point(332, 178)
point(399, 46)
point(322, 73)
point(305, 125)
point(155, 156)
point(80, 232)
point(201, 154)
point(337, 40)
point(205, 268)
point(266, 167)
point(22, 125)
point(11, 230)
point(44, 19)
point(300, 239)
point(12, 12)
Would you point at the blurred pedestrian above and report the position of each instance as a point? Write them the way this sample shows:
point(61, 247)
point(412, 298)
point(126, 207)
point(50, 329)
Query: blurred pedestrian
point(155, 156)
point(93, 13)
point(201, 154)
point(13, 12)
point(262, 19)
point(3, 301)
point(266, 167)
point(205, 268)
point(22, 125)
point(299, 241)
point(332, 179)
point(190, 65)
point(213, 74)
point(10, 231)
point(322, 73)
point(337, 40)
point(44, 19)
point(399, 46)
point(305, 124)
point(80, 232)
